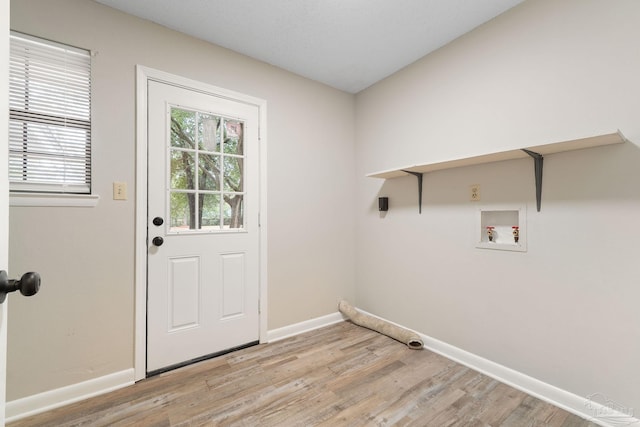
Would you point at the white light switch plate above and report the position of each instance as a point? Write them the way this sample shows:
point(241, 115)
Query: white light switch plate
point(119, 191)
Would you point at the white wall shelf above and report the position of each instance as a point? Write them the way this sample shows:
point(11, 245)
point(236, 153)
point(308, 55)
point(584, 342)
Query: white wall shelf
point(536, 152)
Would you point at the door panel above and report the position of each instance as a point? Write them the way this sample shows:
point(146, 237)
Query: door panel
point(203, 271)
point(184, 293)
point(233, 285)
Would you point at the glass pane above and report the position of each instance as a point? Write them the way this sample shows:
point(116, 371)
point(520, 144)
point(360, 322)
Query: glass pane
point(209, 172)
point(233, 137)
point(182, 209)
point(210, 211)
point(233, 174)
point(209, 127)
point(183, 128)
point(214, 146)
point(233, 212)
point(182, 176)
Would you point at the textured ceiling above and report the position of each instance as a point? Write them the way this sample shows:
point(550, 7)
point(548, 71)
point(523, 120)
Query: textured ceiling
point(347, 44)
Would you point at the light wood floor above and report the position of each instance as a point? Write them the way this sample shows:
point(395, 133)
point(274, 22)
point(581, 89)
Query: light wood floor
point(341, 375)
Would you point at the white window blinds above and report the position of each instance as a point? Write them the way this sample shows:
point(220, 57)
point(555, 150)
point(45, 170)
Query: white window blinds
point(49, 116)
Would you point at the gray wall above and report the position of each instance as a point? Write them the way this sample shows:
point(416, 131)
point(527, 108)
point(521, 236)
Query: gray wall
point(81, 325)
point(565, 312)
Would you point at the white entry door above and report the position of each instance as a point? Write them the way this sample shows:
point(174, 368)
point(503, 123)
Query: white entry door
point(203, 240)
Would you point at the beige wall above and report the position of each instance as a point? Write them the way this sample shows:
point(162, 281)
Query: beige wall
point(565, 312)
point(81, 324)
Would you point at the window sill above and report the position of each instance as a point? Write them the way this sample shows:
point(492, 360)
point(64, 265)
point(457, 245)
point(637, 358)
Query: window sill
point(54, 200)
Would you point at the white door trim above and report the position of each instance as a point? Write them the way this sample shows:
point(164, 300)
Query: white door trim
point(4, 193)
point(143, 75)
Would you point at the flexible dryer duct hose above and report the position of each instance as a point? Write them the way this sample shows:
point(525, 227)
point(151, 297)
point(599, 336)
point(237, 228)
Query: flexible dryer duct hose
point(410, 338)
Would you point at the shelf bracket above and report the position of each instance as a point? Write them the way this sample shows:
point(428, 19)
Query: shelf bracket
point(419, 176)
point(537, 162)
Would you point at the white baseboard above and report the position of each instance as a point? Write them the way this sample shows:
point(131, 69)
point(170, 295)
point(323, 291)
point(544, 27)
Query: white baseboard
point(32, 405)
point(596, 408)
point(306, 326)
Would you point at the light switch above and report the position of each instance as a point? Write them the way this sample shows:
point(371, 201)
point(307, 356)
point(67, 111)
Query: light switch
point(119, 191)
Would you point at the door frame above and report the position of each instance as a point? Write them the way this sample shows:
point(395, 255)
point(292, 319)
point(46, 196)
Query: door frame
point(4, 198)
point(143, 75)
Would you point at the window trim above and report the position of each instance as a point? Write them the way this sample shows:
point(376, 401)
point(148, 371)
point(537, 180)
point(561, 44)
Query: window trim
point(53, 200)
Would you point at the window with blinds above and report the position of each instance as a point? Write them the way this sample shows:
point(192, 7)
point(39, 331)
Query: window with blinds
point(49, 116)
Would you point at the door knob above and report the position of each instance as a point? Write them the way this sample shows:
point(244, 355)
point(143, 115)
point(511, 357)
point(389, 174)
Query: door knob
point(28, 285)
point(157, 241)
point(158, 221)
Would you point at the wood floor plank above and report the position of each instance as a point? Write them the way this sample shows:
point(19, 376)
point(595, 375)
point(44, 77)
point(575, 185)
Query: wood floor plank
point(341, 375)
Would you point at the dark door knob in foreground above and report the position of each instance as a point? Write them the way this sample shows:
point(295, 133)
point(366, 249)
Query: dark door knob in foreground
point(29, 284)
point(157, 241)
point(158, 221)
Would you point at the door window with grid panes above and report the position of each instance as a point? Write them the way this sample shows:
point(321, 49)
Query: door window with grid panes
point(206, 172)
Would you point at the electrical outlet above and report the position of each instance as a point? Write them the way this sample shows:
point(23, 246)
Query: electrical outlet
point(475, 192)
point(119, 191)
